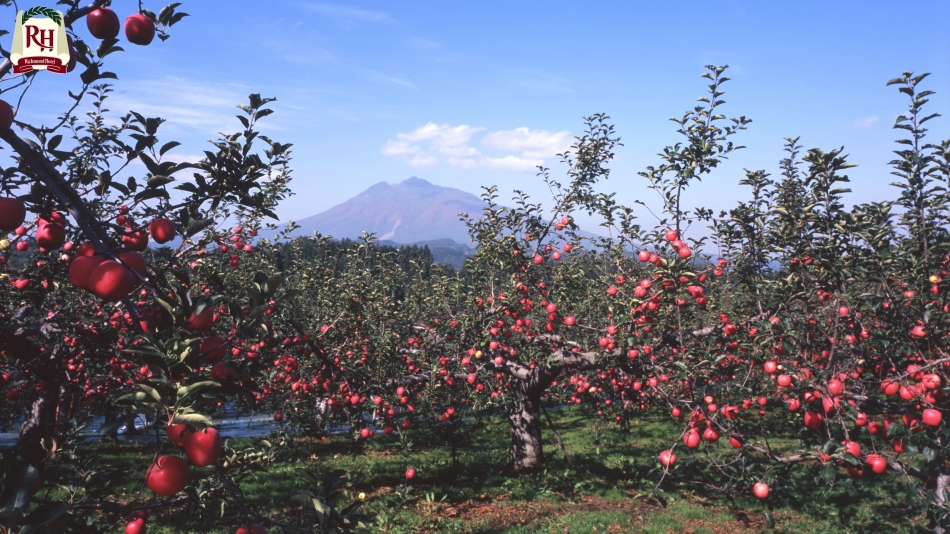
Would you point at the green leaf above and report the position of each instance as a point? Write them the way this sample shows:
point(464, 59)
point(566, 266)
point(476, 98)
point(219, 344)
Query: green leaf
point(168, 146)
point(272, 284)
point(186, 391)
point(44, 514)
point(769, 520)
point(197, 419)
point(158, 180)
point(151, 393)
point(16, 488)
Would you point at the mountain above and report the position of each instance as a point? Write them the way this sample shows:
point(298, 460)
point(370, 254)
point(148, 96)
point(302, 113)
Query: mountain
point(411, 211)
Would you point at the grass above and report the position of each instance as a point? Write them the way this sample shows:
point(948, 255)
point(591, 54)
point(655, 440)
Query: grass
point(603, 491)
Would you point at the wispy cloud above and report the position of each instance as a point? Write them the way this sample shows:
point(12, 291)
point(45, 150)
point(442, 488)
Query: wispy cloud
point(865, 122)
point(424, 44)
point(385, 78)
point(347, 17)
point(185, 104)
point(423, 146)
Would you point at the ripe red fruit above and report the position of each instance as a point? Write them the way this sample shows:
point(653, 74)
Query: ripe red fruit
point(111, 281)
point(81, 268)
point(51, 235)
point(671, 235)
point(134, 261)
point(136, 526)
point(667, 458)
point(220, 371)
point(734, 442)
point(932, 417)
point(200, 323)
point(410, 473)
point(103, 23)
point(255, 529)
point(213, 348)
point(162, 230)
point(12, 210)
point(644, 255)
point(877, 463)
point(761, 490)
point(813, 420)
point(691, 439)
point(178, 433)
point(365, 432)
point(684, 252)
point(770, 367)
point(136, 240)
point(852, 447)
point(711, 434)
point(278, 417)
point(168, 476)
point(139, 29)
point(203, 448)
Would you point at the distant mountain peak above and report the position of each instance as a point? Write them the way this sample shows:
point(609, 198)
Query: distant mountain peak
point(410, 211)
point(414, 181)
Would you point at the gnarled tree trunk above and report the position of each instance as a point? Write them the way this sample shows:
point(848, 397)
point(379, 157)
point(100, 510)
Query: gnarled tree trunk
point(525, 417)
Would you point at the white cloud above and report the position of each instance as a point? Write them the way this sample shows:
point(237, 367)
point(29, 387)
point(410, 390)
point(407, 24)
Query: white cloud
point(532, 143)
point(186, 105)
point(864, 122)
point(453, 142)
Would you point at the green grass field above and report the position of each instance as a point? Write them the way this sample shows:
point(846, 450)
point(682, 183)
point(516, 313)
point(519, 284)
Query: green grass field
point(603, 491)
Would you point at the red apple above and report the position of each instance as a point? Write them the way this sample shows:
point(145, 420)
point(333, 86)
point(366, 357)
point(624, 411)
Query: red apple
point(932, 417)
point(103, 23)
point(111, 281)
point(667, 458)
point(133, 260)
point(136, 240)
point(761, 490)
point(167, 476)
point(51, 235)
point(220, 371)
point(178, 433)
point(203, 448)
point(255, 529)
point(200, 323)
point(136, 526)
point(366, 432)
point(813, 420)
point(213, 348)
point(162, 230)
point(12, 210)
point(278, 417)
point(691, 439)
point(139, 29)
point(86, 249)
point(410, 473)
point(81, 268)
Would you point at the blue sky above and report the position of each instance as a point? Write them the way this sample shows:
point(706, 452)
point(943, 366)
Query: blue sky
point(466, 94)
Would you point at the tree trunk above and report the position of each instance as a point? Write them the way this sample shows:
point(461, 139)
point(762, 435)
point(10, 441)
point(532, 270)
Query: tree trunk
point(39, 426)
point(321, 412)
point(940, 498)
point(525, 417)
